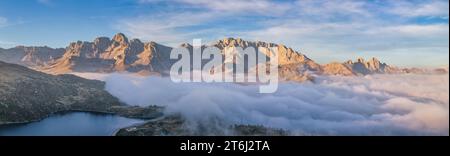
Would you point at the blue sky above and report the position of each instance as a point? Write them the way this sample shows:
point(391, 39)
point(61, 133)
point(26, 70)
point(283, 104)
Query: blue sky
point(400, 32)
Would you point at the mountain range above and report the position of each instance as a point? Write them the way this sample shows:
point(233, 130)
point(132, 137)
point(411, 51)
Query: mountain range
point(46, 86)
point(120, 54)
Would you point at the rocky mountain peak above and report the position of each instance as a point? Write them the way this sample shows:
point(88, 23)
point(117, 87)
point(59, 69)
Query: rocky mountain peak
point(349, 62)
point(186, 45)
point(30, 56)
point(363, 67)
point(121, 54)
point(286, 55)
point(137, 41)
point(360, 60)
point(337, 69)
point(102, 41)
point(374, 64)
point(230, 41)
point(120, 38)
point(374, 59)
point(149, 45)
point(238, 42)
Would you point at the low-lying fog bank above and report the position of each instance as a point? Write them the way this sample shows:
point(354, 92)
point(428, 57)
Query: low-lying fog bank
point(370, 105)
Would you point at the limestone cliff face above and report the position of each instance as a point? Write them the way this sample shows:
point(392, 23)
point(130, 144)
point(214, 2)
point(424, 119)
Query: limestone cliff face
point(286, 56)
point(367, 67)
point(31, 56)
point(360, 67)
point(293, 66)
point(118, 54)
point(337, 69)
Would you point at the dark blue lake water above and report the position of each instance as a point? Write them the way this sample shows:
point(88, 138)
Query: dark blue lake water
point(71, 124)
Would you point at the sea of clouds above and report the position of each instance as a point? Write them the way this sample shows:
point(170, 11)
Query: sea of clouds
point(370, 105)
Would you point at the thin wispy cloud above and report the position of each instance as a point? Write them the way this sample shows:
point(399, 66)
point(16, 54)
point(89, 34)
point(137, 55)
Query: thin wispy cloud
point(164, 27)
point(434, 8)
point(324, 30)
point(170, 28)
point(330, 9)
point(414, 30)
point(250, 6)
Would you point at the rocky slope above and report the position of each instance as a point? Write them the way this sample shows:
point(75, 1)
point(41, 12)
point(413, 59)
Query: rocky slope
point(175, 125)
point(121, 54)
point(31, 56)
point(359, 67)
point(338, 69)
point(111, 55)
point(373, 66)
point(27, 95)
point(287, 56)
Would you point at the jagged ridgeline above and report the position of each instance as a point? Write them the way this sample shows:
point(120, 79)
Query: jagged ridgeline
point(121, 54)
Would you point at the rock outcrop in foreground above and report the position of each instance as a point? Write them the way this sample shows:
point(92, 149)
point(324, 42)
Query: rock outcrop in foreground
point(27, 95)
point(175, 125)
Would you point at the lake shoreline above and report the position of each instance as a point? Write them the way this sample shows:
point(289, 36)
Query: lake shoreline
point(118, 112)
point(71, 123)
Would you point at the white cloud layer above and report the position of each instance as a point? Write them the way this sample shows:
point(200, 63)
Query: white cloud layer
point(371, 105)
point(254, 6)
